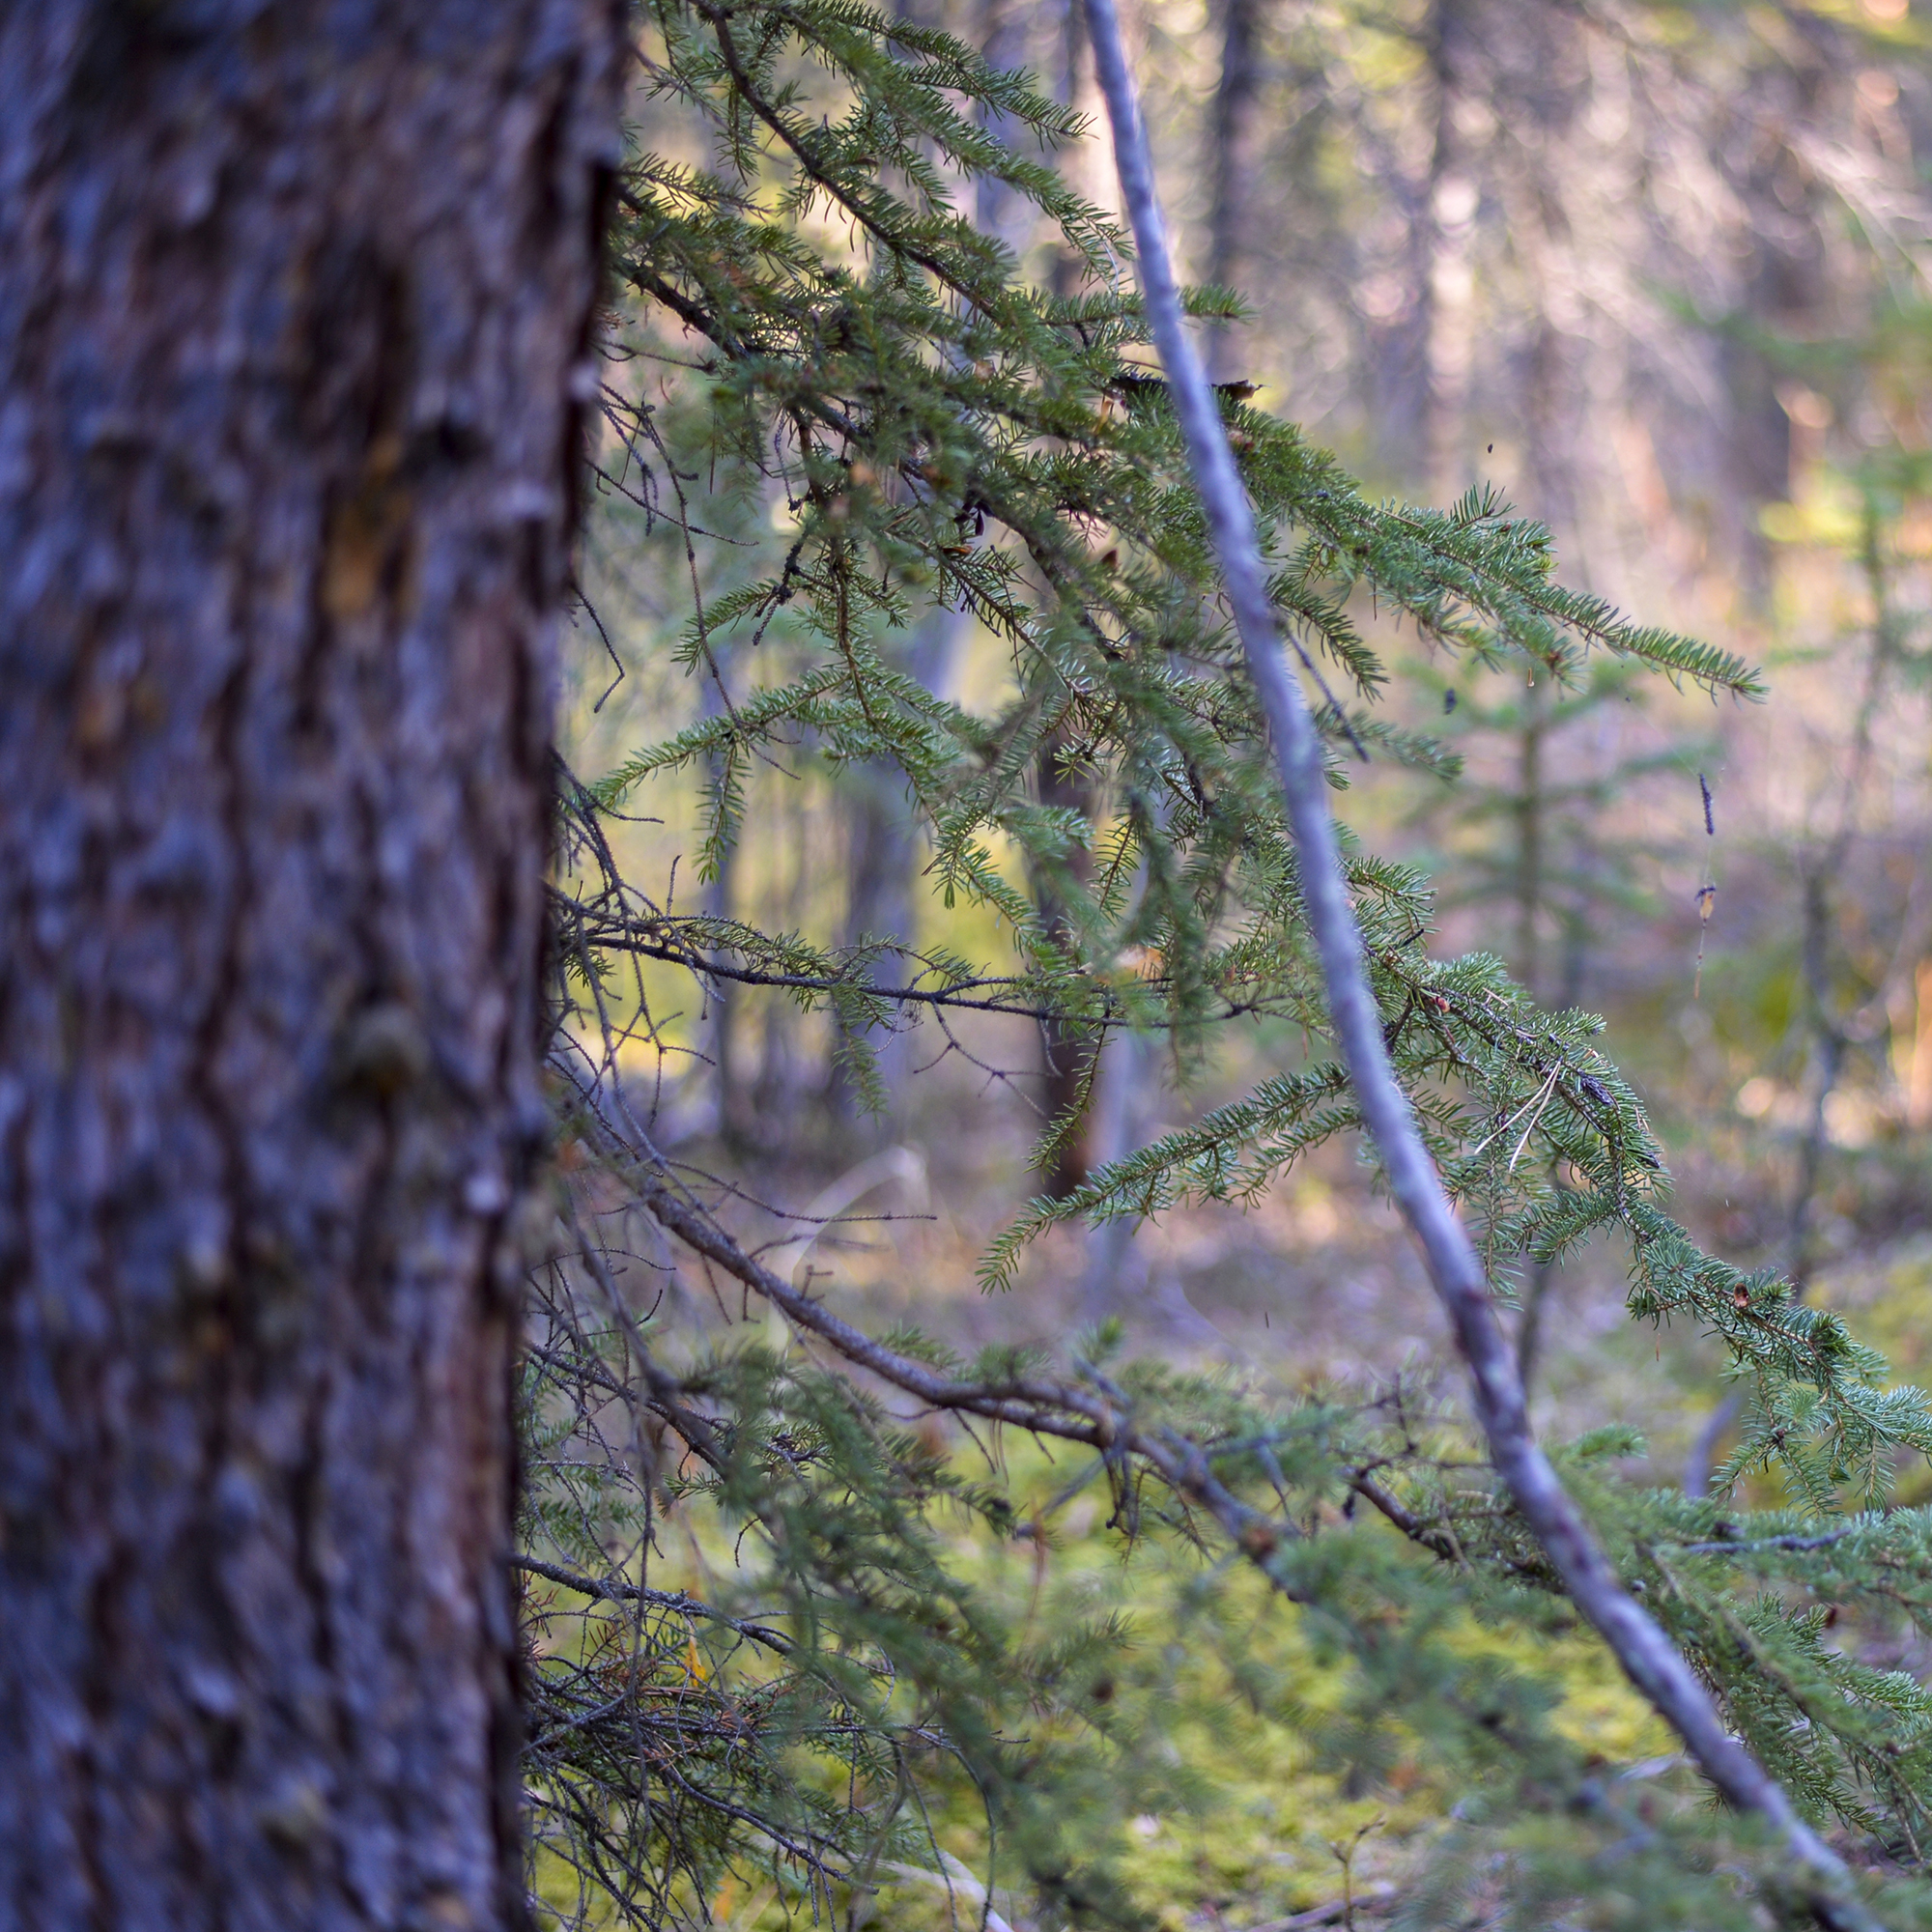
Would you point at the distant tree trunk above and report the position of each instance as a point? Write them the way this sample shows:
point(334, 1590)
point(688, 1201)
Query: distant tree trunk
point(1072, 87)
point(719, 1038)
point(1235, 162)
point(888, 854)
point(999, 27)
point(292, 302)
point(882, 856)
point(884, 846)
point(1066, 1049)
point(1442, 252)
point(1531, 812)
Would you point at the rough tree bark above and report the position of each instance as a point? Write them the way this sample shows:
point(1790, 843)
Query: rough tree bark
point(294, 302)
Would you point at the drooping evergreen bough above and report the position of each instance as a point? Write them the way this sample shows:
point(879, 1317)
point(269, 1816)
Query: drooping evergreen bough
point(803, 313)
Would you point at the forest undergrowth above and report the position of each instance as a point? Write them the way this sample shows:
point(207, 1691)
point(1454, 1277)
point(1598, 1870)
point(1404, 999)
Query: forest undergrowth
point(908, 1542)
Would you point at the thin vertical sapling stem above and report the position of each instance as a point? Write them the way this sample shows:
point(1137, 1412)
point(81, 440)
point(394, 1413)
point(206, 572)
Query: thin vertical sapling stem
point(1647, 1655)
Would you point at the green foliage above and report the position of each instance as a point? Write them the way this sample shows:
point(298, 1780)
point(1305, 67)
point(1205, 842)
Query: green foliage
point(826, 1700)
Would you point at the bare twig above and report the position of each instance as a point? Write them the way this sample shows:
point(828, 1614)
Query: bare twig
point(1649, 1658)
point(615, 1590)
point(1764, 1543)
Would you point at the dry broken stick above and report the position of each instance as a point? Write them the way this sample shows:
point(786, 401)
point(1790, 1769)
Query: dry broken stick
point(1647, 1655)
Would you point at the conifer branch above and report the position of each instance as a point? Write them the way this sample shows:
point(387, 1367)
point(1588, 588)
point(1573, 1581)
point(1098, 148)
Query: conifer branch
point(1096, 1416)
point(1647, 1655)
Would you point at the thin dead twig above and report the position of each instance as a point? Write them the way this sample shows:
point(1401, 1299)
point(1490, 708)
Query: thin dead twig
point(1648, 1657)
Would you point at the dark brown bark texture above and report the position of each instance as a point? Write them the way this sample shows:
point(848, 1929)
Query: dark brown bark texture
point(294, 302)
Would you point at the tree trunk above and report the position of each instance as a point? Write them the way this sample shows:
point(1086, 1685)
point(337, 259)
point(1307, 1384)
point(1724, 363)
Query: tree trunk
point(1000, 30)
point(1235, 130)
point(293, 300)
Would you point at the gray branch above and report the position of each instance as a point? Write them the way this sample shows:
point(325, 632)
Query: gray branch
point(1648, 1657)
point(1762, 1545)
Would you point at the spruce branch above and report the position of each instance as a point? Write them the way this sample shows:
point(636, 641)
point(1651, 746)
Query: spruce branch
point(1647, 1655)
